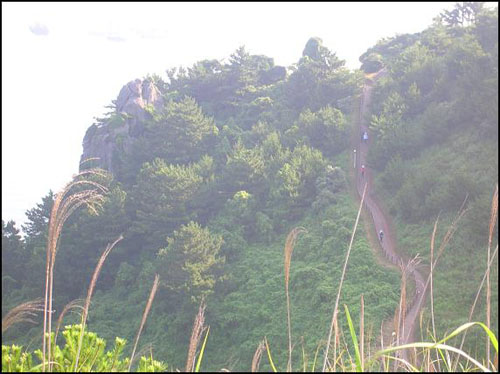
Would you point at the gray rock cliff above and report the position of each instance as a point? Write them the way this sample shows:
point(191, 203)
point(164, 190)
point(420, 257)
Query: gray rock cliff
point(124, 125)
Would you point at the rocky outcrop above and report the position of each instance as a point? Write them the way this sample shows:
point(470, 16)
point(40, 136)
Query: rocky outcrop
point(124, 125)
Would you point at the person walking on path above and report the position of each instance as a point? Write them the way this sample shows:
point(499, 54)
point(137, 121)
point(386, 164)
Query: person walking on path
point(381, 236)
point(363, 170)
point(365, 137)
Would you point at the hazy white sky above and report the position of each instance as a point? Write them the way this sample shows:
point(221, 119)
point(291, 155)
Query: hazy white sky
point(62, 63)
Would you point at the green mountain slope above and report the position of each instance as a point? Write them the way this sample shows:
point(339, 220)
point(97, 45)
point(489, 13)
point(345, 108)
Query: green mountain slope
point(435, 120)
point(221, 160)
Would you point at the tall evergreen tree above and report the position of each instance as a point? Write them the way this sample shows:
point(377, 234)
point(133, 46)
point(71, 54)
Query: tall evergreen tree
point(191, 263)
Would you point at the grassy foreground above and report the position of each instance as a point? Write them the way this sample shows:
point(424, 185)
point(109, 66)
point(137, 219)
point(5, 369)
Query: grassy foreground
point(344, 350)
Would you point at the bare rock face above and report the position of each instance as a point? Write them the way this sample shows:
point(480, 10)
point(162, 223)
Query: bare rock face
point(126, 124)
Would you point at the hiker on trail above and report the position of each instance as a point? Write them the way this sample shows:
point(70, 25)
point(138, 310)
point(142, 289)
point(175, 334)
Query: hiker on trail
point(363, 170)
point(381, 236)
point(365, 137)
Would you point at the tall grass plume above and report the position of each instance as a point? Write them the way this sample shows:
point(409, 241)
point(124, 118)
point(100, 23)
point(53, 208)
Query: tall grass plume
point(198, 328)
point(493, 219)
point(289, 244)
point(335, 310)
point(152, 294)
point(80, 191)
point(22, 313)
point(90, 291)
point(257, 356)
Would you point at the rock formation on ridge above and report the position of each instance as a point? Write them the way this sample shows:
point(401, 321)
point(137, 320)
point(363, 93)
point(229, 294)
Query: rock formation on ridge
point(124, 125)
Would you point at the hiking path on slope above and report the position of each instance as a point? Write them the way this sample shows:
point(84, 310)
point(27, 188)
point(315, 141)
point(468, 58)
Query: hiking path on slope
point(381, 221)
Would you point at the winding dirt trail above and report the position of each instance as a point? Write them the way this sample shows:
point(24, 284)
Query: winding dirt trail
point(381, 221)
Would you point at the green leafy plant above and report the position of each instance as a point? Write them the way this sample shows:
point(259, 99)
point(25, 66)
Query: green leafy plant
point(94, 356)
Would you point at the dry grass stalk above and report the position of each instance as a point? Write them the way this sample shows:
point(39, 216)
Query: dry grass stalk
point(145, 315)
point(348, 354)
point(289, 244)
point(362, 334)
point(335, 310)
point(370, 334)
point(75, 304)
point(382, 345)
point(400, 330)
point(22, 313)
point(89, 159)
point(449, 234)
point(336, 342)
point(90, 291)
point(493, 220)
point(491, 257)
point(395, 322)
point(198, 328)
point(431, 276)
point(430, 366)
point(477, 297)
point(147, 349)
point(304, 356)
point(257, 356)
point(447, 237)
point(421, 324)
point(401, 312)
point(65, 204)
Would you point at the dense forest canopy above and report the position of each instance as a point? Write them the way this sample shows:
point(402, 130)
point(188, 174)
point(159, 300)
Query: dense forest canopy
point(237, 154)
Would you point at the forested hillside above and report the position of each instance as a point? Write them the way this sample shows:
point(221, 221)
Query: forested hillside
point(238, 155)
point(435, 126)
point(213, 166)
